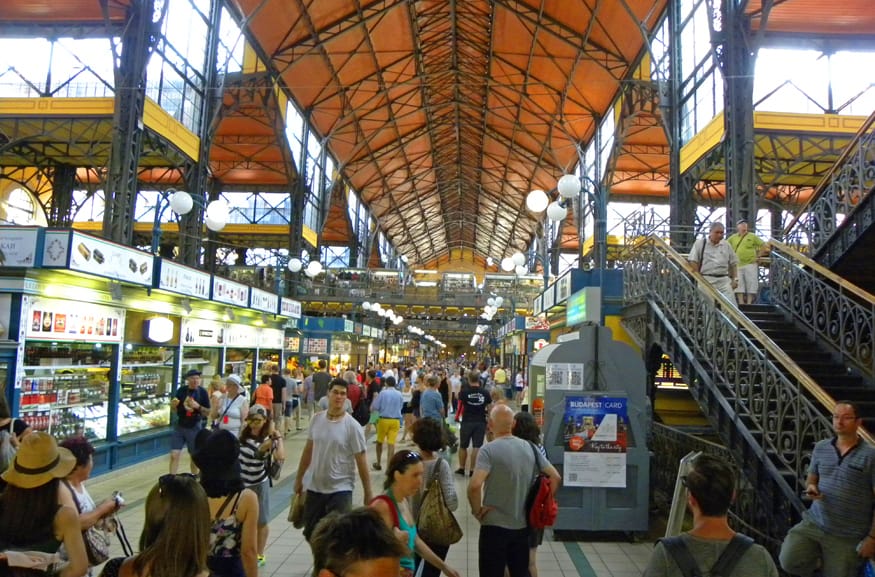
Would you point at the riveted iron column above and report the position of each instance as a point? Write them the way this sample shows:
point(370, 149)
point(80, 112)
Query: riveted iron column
point(736, 59)
point(681, 207)
point(141, 32)
point(60, 209)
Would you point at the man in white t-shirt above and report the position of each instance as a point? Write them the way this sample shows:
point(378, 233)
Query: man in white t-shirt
point(335, 449)
point(455, 387)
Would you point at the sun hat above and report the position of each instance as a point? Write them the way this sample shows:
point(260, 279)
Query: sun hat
point(38, 461)
point(233, 380)
point(217, 455)
point(257, 411)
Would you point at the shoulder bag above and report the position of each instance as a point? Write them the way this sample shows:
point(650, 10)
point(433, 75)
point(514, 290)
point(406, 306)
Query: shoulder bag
point(96, 539)
point(435, 523)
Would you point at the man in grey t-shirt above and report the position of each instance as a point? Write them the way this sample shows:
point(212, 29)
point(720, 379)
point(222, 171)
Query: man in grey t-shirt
point(711, 486)
point(507, 467)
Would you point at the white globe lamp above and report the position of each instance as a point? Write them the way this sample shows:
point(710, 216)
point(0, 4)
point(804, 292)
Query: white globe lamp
point(537, 201)
point(568, 186)
point(213, 225)
point(520, 270)
point(556, 211)
point(314, 267)
point(217, 211)
point(519, 259)
point(507, 264)
point(181, 202)
point(366, 306)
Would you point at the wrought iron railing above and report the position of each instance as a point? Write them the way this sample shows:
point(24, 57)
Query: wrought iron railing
point(768, 411)
point(748, 513)
point(834, 310)
point(840, 193)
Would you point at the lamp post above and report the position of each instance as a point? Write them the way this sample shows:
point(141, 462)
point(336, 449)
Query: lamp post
point(181, 203)
point(573, 185)
point(390, 318)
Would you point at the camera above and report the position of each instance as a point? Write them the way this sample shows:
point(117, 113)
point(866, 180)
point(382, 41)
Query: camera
point(117, 497)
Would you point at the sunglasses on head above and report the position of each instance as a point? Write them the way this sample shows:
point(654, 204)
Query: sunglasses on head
point(411, 457)
point(164, 481)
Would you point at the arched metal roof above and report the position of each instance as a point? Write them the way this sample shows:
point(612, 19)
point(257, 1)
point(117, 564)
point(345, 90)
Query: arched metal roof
point(442, 114)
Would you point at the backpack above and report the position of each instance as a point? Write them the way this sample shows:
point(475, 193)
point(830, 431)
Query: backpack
point(541, 508)
point(7, 450)
point(727, 561)
point(360, 412)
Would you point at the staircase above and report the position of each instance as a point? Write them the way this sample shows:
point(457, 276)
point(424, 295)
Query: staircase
point(837, 380)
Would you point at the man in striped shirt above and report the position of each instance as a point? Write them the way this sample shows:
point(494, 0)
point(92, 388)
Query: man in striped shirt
point(839, 529)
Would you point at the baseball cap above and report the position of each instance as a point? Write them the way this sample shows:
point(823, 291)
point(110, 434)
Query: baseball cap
point(257, 411)
point(193, 373)
point(740, 221)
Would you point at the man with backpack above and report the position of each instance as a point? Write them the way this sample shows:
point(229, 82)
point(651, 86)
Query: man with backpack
point(711, 547)
point(503, 475)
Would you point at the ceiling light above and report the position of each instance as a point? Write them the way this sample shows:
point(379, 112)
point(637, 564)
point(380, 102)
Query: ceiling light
point(507, 264)
point(556, 212)
point(366, 306)
point(519, 259)
point(295, 264)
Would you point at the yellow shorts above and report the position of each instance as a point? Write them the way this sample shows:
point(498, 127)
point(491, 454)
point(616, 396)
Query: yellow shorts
point(387, 430)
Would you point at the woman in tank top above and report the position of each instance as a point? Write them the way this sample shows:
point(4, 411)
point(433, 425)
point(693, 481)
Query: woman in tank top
point(233, 508)
point(403, 480)
point(230, 412)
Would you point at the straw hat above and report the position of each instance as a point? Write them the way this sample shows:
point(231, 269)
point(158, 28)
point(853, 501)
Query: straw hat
point(38, 461)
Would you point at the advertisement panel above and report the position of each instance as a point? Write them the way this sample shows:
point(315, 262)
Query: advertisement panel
point(59, 320)
point(593, 432)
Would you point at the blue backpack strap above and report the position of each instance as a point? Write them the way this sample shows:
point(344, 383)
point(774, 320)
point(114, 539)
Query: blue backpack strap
point(678, 551)
point(730, 557)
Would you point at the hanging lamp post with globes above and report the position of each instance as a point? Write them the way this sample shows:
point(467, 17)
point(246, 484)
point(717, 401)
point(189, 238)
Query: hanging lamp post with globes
point(180, 203)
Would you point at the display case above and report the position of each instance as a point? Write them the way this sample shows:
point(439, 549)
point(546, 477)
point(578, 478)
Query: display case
point(146, 387)
point(65, 389)
point(453, 283)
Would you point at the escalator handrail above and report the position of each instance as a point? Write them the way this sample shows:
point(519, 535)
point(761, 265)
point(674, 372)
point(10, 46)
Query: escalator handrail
point(757, 334)
point(827, 178)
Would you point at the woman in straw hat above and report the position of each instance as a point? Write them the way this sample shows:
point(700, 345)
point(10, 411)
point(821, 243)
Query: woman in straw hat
point(30, 517)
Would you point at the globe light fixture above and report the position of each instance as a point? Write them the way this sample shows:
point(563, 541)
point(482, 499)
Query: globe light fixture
point(537, 201)
point(556, 212)
point(181, 202)
point(366, 306)
point(295, 264)
point(520, 270)
point(507, 264)
point(519, 259)
point(568, 186)
point(314, 267)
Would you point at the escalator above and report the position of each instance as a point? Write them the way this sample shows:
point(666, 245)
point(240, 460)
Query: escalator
point(766, 409)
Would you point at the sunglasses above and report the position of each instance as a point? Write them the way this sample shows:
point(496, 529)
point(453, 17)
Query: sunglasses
point(165, 481)
point(411, 457)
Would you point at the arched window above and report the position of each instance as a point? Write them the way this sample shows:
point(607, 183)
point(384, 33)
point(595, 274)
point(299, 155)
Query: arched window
point(20, 207)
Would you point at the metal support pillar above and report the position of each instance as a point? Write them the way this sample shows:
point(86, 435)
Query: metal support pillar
point(777, 224)
point(682, 209)
point(736, 58)
point(197, 173)
point(127, 140)
point(60, 209)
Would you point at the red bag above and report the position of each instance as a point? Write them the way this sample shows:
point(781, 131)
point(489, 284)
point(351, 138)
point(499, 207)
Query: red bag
point(541, 508)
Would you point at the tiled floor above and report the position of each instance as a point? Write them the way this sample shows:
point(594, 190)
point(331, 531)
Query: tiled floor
point(289, 556)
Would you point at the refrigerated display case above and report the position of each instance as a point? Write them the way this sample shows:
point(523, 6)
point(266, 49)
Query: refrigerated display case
point(65, 390)
point(146, 387)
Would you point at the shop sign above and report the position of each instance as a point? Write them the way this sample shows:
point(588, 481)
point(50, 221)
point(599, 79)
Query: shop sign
point(357, 329)
point(290, 308)
point(242, 336)
point(96, 256)
point(537, 323)
point(18, 246)
point(539, 344)
point(315, 346)
point(348, 326)
point(183, 280)
point(198, 332)
point(563, 288)
point(341, 347)
point(230, 292)
point(158, 330)
point(263, 301)
point(548, 297)
point(270, 338)
point(538, 304)
point(366, 330)
point(293, 344)
point(73, 321)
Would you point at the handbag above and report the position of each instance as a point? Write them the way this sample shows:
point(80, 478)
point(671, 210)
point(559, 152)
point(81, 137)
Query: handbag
point(95, 537)
point(296, 510)
point(435, 523)
point(274, 466)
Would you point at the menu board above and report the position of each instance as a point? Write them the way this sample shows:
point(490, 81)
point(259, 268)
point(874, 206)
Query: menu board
point(293, 344)
point(18, 246)
point(182, 279)
point(348, 326)
point(60, 320)
point(341, 347)
point(230, 292)
point(563, 288)
point(270, 339)
point(198, 332)
point(243, 336)
point(315, 346)
point(263, 301)
point(96, 256)
point(290, 308)
point(548, 297)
